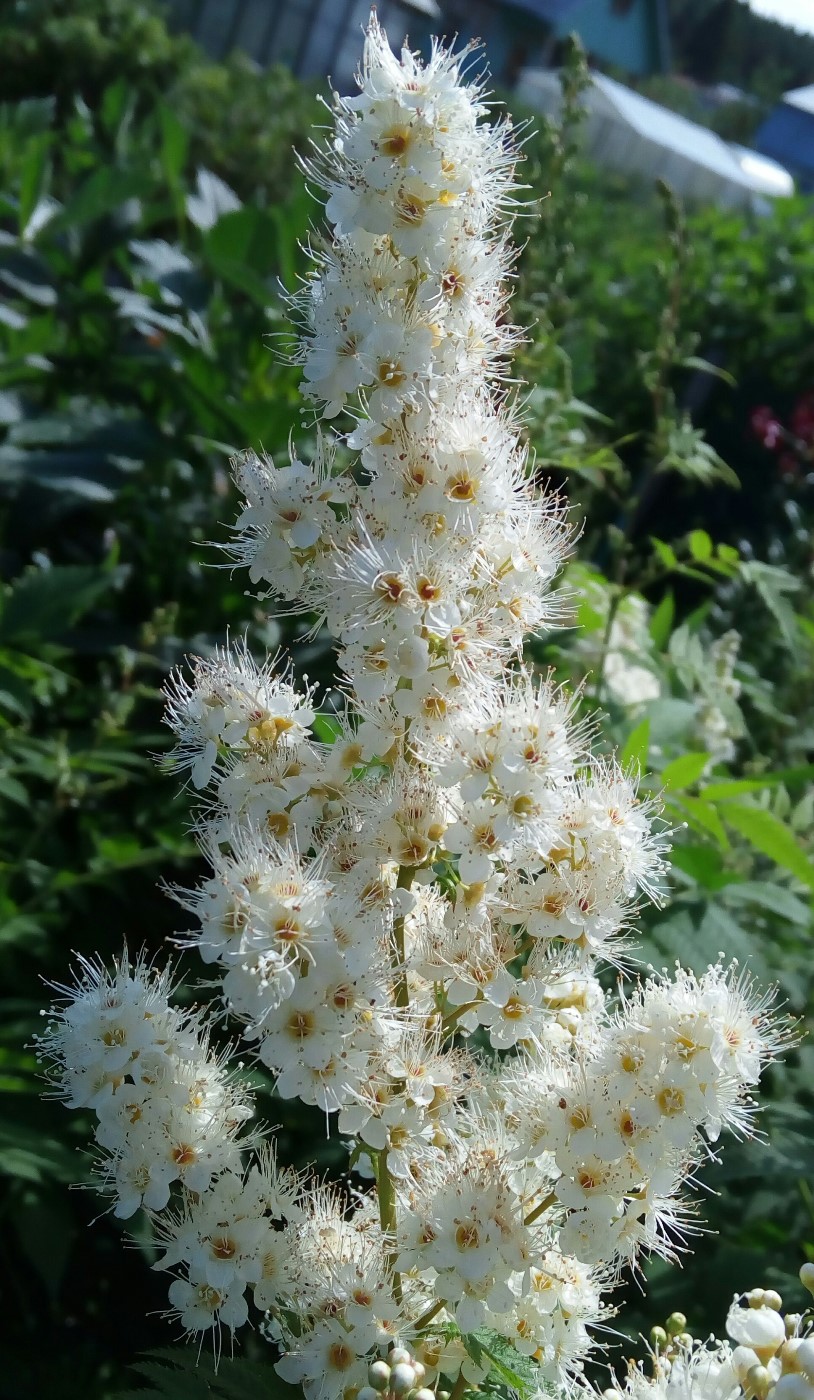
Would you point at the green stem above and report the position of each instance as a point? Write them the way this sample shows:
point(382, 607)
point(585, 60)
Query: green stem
point(613, 608)
point(404, 881)
point(426, 1317)
point(387, 1216)
point(448, 1023)
point(541, 1208)
point(459, 1387)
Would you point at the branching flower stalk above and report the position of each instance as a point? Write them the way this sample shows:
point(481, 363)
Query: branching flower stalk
point(408, 923)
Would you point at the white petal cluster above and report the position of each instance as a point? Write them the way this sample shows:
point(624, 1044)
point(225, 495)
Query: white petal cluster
point(432, 565)
point(167, 1110)
point(411, 899)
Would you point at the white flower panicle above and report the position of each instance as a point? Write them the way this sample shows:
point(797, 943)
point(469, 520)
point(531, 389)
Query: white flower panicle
point(411, 900)
point(167, 1110)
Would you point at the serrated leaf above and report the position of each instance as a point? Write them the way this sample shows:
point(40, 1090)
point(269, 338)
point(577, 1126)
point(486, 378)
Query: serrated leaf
point(771, 837)
point(184, 1373)
point(520, 1372)
point(771, 896)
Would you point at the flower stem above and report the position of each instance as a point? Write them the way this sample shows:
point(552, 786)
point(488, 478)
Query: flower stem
point(404, 881)
point(541, 1208)
point(459, 1387)
point(426, 1317)
point(387, 1216)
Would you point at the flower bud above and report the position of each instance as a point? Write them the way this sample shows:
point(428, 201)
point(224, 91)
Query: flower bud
point(772, 1299)
point(396, 1355)
point(757, 1327)
point(420, 1371)
point(807, 1277)
point(424, 1394)
point(367, 1393)
point(676, 1323)
point(758, 1382)
point(378, 1375)
point(658, 1338)
point(788, 1354)
point(743, 1359)
point(402, 1378)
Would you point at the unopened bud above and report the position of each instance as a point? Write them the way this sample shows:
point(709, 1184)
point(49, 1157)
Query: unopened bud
point(424, 1393)
point(611, 1394)
point(378, 1375)
point(396, 1355)
point(402, 1378)
point(684, 1339)
point(420, 1372)
point(743, 1359)
point(758, 1382)
point(788, 1354)
point(807, 1277)
point(755, 1297)
point(366, 1393)
point(792, 1321)
point(772, 1299)
point(658, 1338)
point(676, 1323)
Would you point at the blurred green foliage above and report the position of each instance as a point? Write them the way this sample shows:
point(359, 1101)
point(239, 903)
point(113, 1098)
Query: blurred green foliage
point(150, 210)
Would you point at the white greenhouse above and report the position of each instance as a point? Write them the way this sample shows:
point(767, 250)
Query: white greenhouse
point(628, 132)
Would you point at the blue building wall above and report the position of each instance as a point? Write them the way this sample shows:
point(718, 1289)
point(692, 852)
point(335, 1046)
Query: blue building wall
point(787, 135)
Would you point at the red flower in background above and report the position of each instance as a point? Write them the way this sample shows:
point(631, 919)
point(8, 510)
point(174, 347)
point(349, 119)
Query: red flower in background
point(802, 418)
point(767, 428)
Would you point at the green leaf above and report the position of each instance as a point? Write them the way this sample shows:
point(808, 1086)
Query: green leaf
point(634, 750)
point(733, 787)
point(769, 895)
point(326, 728)
point(775, 586)
point(700, 545)
point(45, 602)
point(188, 1373)
point(706, 367)
point(33, 177)
point(488, 1347)
point(174, 143)
point(665, 552)
point(705, 816)
point(702, 864)
point(771, 837)
point(684, 772)
point(662, 621)
point(106, 190)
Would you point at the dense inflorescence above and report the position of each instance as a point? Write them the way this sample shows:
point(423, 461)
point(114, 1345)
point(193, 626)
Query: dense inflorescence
point(408, 923)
